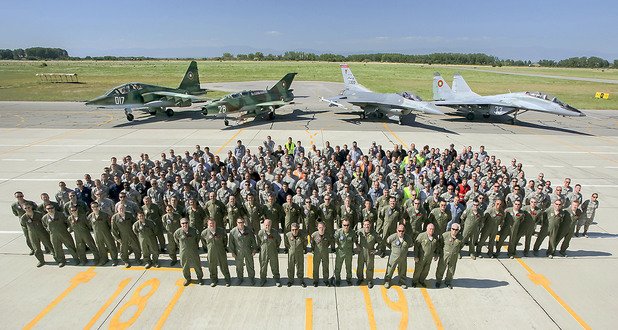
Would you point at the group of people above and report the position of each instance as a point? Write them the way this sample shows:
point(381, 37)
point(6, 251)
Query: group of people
point(340, 200)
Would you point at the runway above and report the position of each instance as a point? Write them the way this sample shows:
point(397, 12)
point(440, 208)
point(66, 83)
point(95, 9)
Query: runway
point(42, 143)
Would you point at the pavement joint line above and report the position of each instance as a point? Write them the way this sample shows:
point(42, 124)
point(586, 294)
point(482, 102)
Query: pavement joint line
point(171, 305)
point(109, 301)
point(51, 138)
point(308, 313)
point(541, 280)
point(81, 277)
point(122, 299)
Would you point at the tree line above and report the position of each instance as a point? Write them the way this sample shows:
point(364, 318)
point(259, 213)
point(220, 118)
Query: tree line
point(44, 53)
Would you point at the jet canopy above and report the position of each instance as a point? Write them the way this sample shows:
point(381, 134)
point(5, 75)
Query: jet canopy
point(548, 97)
point(124, 89)
point(244, 93)
point(410, 96)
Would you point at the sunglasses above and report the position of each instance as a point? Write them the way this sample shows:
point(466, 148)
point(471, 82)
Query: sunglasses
point(184, 223)
point(400, 231)
point(346, 225)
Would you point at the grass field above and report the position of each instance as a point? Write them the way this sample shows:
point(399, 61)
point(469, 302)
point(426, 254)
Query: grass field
point(19, 83)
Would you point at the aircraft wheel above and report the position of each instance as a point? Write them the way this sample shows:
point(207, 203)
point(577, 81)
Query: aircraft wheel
point(152, 111)
point(485, 115)
point(130, 117)
point(470, 116)
point(169, 112)
point(226, 122)
point(513, 121)
point(380, 115)
point(363, 116)
point(271, 115)
point(399, 121)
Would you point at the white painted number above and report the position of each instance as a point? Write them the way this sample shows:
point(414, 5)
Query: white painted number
point(119, 99)
point(222, 109)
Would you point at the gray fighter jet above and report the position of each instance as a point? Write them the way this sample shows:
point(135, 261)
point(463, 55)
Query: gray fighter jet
point(470, 104)
point(392, 105)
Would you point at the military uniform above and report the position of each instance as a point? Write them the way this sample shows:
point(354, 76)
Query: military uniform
point(81, 229)
point(398, 258)
point(521, 224)
point(215, 210)
point(368, 244)
point(154, 214)
point(189, 252)
point(217, 257)
point(320, 245)
point(18, 211)
point(348, 213)
point(296, 246)
point(172, 224)
point(269, 242)
point(589, 208)
point(57, 228)
point(254, 216)
point(439, 219)
point(425, 248)
point(329, 216)
point(567, 229)
point(388, 219)
point(101, 227)
point(243, 245)
point(275, 213)
point(345, 250)
point(122, 230)
point(292, 215)
point(417, 221)
point(371, 215)
point(197, 219)
point(471, 223)
point(146, 234)
point(36, 234)
point(311, 217)
point(449, 254)
point(537, 219)
point(554, 223)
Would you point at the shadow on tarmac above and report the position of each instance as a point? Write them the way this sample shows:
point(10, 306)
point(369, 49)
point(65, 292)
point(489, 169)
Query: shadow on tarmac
point(478, 283)
point(506, 121)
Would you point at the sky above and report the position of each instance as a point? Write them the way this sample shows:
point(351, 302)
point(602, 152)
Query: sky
point(522, 29)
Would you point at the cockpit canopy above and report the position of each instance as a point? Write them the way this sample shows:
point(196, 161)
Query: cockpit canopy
point(124, 89)
point(244, 93)
point(410, 96)
point(548, 97)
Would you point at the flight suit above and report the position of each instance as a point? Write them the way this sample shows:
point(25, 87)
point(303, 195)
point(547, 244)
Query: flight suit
point(345, 250)
point(269, 242)
point(449, 254)
point(417, 221)
point(154, 214)
point(243, 246)
point(217, 257)
point(233, 212)
point(172, 224)
point(311, 217)
point(369, 244)
point(329, 217)
point(292, 215)
point(554, 222)
point(348, 213)
point(101, 226)
point(471, 227)
point(188, 243)
point(398, 258)
point(522, 222)
point(425, 248)
point(568, 228)
point(320, 246)
point(371, 215)
point(81, 230)
point(254, 216)
point(439, 219)
point(197, 220)
point(296, 246)
point(36, 234)
point(147, 235)
point(122, 230)
point(215, 210)
point(275, 213)
point(58, 233)
point(506, 229)
point(388, 219)
point(19, 211)
point(537, 219)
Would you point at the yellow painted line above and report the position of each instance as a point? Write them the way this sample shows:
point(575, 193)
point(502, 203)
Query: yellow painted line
point(137, 300)
point(309, 272)
point(394, 134)
point(81, 277)
point(541, 280)
point(171, 305)
point(432, 309)
point(109, 301)
point(368, 307)
point(401, 305)
point(111, 118)
point(162, 269)
point(228, 141)
point(308, 313)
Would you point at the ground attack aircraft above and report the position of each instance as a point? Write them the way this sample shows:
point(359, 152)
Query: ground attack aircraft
point(151, 98)
point(462, 98)
point(392, 105)
point(253, 102)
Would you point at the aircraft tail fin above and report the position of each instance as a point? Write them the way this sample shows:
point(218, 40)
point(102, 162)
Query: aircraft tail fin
point(441, 89)
point(191, 80)
point(349, 80)
point(284, 84)
point(460, 87)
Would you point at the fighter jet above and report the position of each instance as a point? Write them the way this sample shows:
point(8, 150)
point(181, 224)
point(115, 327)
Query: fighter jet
point(392, 105)
point(151, 98)
point(462, 98)
point(252, 103)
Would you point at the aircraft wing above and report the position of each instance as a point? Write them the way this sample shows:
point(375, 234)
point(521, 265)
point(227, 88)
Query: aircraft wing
point(393, 101)
point(193, 98)
point(271, 104)
point(453, 103)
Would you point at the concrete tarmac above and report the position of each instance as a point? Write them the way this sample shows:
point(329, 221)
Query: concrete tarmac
point(43, 143)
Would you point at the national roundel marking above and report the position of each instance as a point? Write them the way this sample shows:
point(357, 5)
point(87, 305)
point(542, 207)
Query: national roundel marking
point(440, 83)
point(190, 75)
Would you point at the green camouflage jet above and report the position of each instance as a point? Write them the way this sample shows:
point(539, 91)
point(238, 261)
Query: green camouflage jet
point(253, 102)
point(151, 98)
